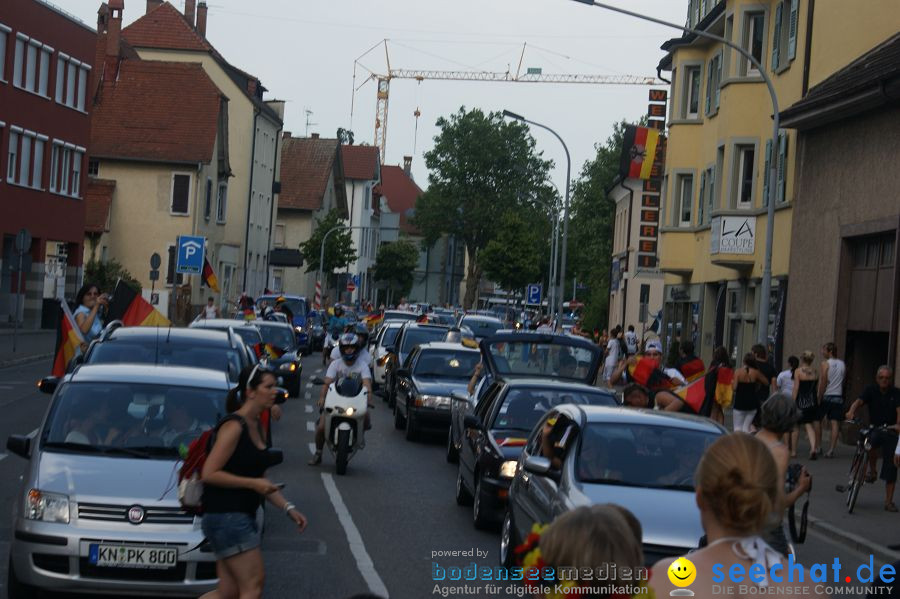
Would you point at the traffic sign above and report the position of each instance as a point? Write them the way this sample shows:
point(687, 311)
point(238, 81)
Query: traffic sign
point(356, 280)
point(190, 255)
point(351, 287)
point(533, 293)
point(23, 241)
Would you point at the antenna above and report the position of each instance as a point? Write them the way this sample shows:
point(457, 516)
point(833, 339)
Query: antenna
point(309, 113)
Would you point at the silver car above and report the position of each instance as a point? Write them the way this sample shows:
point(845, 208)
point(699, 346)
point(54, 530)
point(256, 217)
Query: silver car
point(98, 511)
point(643, 460)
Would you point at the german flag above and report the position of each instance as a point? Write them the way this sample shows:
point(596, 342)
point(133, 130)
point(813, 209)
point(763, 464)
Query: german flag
point(724, 391)
point(68, 340)
point(209, 276)
point(693, 394)
point(692, 369)
point(133, 310)
point(374, 320)
point(646, 372)
point(422, 318)
point(638, 152)
point(267, 350)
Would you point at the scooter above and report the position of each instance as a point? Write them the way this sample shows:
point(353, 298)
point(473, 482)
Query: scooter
point(346, 403)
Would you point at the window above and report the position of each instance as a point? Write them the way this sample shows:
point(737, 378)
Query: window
point(4, 34)
point(37, 169)
point(685, 199)
point(64, 169)
point(12, 157)
point(19, 59)
point(171, 276)
point(780, 170)
point(710, 193)
point(745, 156)
point(754, 38)
point(207, 204)
point(701, 201)
point(94, 168)
point(54, 165)
point(71, 81)
point(181, 192)
point(221, 203)
point(279, 235)
point(77, 158)
point(44, 78)
point(713, 79)
point(31, 66)
point(66, 163)
point(784, 38)
point(277, 278)
point(692, 78)
point(25, 158)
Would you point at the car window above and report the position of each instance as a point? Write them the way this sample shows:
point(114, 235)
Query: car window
point(295, 305)
point(482, 408)
point(223, 358)
point(551, 360)
point(389, 336)
point(91, 416)
point(250, 335)
point(411, 358)
point(418, 335)
point(280, 337)
point(641, 455)
point(522, 408)
point(446, 364)
point(482, 327)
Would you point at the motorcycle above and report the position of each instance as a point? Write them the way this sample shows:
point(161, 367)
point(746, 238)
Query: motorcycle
point(346, 402)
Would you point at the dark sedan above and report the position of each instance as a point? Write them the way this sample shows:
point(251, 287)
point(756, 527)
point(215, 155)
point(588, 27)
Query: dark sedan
point(495, 434)
point(281, 338)
point(410, 335)
point(433, 372)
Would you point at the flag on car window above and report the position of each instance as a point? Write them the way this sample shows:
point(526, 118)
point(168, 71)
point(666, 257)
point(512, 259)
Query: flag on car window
point(209, 276)
point(267, 350)
point(133, 310)
point(638, 152)
point(68, 340)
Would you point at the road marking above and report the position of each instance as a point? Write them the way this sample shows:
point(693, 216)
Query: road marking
point(310, 426)
point(312, 448)
point(307, 396)
point(319, 371)
point(308, 408)
point(2, 456)
point(7, 387)
point(354, 539)
point(309, 385)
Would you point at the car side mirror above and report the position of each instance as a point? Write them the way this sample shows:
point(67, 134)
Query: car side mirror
point(19, 445)
point(538, 465)
point(473, 421)
point(48, 384)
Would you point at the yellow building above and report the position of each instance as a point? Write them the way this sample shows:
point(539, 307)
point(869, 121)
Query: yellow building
point(713, 218)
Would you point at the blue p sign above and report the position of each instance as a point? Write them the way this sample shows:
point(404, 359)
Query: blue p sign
point(190, 255)
point(534, 294)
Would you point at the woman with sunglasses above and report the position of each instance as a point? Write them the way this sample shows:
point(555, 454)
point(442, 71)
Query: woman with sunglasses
point(87, 315)
point(233, 482)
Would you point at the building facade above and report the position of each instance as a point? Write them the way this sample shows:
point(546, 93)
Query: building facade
point(46, 60)
point(362, 170)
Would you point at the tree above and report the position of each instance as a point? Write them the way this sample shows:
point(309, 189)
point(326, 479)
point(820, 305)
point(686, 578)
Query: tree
point(513, 258)
point(395, 265)
point(339, 251)
point(480, 168)
point(106, 274)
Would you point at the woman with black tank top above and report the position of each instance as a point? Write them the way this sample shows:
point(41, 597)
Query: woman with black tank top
point(233, 482)
point(746, 400)
point(805, 394)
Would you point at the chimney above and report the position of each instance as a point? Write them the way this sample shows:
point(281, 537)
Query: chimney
point(114, 29)
point(190, 9)
point(151, 4)
point(407, 165)
point(314, 135)
point(201, 19)
point(286, 135)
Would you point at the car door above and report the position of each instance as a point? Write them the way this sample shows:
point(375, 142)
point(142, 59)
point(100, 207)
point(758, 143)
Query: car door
point(522, 501)
point(459, 409)
point(472, 438)
point(404, 383)
point(391, 365)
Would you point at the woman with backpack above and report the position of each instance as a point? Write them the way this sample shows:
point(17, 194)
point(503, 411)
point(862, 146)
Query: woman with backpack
point(234, 480)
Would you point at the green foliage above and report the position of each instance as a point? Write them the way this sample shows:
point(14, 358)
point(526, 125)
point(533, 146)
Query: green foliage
point(395, 265)
point(513, 258)
point(480, 168)
point(106, 274)
point(339, 250)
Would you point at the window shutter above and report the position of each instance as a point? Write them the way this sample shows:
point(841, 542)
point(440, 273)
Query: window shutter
point(712, 191)
point(709, 87)
point(768, 166)
point(792, 31)
point(782, 167)
point(776, 37)
point(701, 205)
point(718, 77)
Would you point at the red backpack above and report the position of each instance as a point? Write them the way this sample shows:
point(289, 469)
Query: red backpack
point(190, 487)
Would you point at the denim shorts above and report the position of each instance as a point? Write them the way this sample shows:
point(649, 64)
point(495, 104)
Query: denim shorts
point(230, 533)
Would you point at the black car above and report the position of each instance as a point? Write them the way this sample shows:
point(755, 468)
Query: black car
point(411, 334)
point(217, 350)
point(430, 375)
point(280, 337)
point(482, 327)
point(245, 329)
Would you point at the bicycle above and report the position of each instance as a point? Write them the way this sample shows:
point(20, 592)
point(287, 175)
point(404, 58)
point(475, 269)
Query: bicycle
point(858, 467)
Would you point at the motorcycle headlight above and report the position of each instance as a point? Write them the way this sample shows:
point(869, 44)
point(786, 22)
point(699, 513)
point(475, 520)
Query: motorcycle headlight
point(350, 412)
point(48, 507)
point(298, 329)
point(508, 469)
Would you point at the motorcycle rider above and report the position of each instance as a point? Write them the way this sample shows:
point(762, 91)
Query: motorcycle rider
point(348, 366)
point(335, 328)
point(364, 356)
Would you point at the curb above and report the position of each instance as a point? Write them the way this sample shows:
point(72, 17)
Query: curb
point(854, 541)
point(25, 360)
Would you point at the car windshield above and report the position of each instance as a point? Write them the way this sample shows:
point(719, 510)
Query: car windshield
point(447, 364)
point(390, 335)
point(395, 315)
point(417, 336)
point(523, 407)
point(441, 318)
point(482, 327)
point(641, 455)
point(250, 335)
point(131, 419)
point(115, 351)
point(295, 305)
point(280, 337)
point(546, 360)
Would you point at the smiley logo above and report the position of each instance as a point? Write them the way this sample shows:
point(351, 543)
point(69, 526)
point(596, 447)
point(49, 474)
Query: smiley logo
point(682, 572)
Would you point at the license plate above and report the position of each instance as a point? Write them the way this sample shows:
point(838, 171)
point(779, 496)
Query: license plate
point(131, 556)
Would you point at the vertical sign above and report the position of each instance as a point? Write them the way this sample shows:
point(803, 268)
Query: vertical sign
point(647, 246)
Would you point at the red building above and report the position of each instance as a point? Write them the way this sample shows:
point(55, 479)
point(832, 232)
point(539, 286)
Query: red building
point(46, 59)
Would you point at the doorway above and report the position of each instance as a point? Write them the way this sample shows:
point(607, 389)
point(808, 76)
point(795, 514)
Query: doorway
point(866, 351)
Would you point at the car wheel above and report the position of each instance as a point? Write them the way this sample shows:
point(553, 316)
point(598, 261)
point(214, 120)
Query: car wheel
point(452, 452)
point(508, 542)
point(463, 497)
point(479, 518)
point(15, 589)
point(399, 421)
point(411, 433)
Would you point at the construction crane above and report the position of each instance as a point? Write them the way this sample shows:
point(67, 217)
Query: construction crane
point(531, 75)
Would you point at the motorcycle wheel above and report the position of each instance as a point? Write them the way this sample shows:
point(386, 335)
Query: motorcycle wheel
point(343, 452)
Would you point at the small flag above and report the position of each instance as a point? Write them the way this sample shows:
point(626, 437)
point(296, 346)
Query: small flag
point(638, 152)
point(68, 340)
point(422, 318)
point(374, 320)
point(692, 370)
point(646, 372)
point(693, 394)
point(209, 276)
point(133, 310)
point(267, 350)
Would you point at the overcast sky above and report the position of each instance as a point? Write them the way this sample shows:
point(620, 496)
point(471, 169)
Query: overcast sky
point(304, 53)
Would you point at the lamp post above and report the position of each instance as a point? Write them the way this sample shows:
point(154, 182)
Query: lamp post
point(562, 268)
point(762, 317)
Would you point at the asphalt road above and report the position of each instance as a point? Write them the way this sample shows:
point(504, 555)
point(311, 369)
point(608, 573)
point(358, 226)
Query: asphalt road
point(377, 529)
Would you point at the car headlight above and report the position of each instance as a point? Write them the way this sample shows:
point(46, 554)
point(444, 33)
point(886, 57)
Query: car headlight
point(508, 469)
point(48, 507)
point(433, 401)
point(288, 367)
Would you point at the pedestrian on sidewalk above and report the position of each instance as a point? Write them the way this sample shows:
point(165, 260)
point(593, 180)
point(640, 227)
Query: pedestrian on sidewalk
point(831, 393)
point(211, 310)
point(763, 364)
point(784, 384)
point(613, 353)
point(746, 381)
point(717, 398)
point(631, 341)
point(883, 401)
point(805, 383)
point(89, 313)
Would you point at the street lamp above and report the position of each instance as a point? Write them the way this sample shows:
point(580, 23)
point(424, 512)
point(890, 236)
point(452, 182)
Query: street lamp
point(565, 242)
point(763, 312)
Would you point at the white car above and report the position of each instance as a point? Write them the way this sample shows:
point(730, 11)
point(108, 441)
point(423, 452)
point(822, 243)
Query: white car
point(387, 334)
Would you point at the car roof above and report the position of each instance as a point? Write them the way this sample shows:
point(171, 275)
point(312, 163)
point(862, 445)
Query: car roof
point(625, 415)
point(446, 345)
point(269, 296)
point(481, 317)
point(195, 336)
point(411, 324)
point(509, 335)
point(545, 383)
point(222, 323)
point(179, 376)
point(273, 323)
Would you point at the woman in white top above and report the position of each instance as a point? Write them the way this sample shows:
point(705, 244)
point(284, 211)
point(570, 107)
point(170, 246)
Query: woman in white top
point(612, 354)
point(784, 384)
point(739, 495)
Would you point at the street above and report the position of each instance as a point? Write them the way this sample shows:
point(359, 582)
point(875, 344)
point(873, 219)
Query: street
point(373, 530)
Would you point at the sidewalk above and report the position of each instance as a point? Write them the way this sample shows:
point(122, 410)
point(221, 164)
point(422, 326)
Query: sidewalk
point(31, 345)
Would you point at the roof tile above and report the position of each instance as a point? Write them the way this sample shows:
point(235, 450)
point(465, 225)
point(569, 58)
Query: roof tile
point(401, 193)
point(164, 27)
point(360, 162)
point(97, 202)
point(306, 165)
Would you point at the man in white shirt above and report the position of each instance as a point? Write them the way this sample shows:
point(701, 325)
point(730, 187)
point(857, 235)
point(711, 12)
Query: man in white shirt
point(631, 340)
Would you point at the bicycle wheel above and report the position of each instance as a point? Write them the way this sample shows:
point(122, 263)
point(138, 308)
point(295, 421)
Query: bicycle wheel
point(851, 476)
point(857, 483)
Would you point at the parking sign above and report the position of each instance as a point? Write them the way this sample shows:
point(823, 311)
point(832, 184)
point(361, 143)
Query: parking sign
point(534, 294)
point(190, 255)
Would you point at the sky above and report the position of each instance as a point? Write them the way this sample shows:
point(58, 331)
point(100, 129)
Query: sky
point(304, 52)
